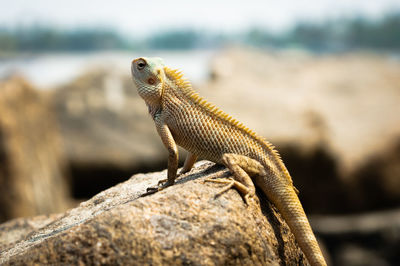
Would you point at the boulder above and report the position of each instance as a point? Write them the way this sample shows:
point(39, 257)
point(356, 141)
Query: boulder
point(183, 224)
point(361, 239)
point(107, 131)
point(104, 122)
point(32, 162)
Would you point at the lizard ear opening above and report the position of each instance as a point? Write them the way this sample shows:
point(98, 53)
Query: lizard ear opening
point(151, 81)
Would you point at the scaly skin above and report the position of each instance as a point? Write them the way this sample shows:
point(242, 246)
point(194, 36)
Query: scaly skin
point(183, 118)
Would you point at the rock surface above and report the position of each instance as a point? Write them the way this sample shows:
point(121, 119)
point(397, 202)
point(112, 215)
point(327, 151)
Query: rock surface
point(183, 224)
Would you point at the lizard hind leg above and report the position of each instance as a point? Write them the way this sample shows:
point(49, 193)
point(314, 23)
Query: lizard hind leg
point(240, 166)
point(231, 183)
point(189, 162)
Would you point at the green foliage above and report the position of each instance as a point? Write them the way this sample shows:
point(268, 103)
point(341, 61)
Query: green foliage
point(7, 42)
point(335, 35)
point(174, 40)
point(38, 39)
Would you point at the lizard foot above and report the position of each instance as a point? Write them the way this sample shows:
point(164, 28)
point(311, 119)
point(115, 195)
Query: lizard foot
point(160, 186)
point(231, 183)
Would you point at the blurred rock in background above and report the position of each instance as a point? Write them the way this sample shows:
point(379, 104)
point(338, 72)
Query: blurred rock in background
point(107, 131)
point(334, 118)
point(32, 163)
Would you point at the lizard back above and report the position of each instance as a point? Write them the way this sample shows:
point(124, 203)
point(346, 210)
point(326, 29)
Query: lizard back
point(205, 130)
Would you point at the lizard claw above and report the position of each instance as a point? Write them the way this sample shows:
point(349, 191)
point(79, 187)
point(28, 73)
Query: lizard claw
point(161, 182)
point(160, 186)
point(153, 189)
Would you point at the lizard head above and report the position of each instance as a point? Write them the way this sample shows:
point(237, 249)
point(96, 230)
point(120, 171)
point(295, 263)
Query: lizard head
point(148, 75)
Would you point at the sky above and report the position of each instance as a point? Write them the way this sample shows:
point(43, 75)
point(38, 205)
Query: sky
point(147, 16)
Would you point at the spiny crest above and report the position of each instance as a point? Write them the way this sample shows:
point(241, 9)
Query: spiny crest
point(183, 84)
point(177, 76)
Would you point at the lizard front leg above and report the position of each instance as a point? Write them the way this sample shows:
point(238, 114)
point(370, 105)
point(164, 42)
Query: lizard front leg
point(173, 156)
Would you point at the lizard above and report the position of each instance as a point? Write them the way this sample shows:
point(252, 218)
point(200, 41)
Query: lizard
point(184, 118)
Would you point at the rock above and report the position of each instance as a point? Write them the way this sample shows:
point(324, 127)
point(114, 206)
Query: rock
point(107, 131)
point(16, 229)
point(183, 224)
point(32, 163)
point(347, 102)
point(104, 122)
point(361, 239)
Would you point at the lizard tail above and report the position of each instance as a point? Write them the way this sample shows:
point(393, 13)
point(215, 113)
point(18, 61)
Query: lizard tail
point(284, 197)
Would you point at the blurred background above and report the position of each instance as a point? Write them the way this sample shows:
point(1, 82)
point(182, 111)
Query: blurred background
point(319, 79)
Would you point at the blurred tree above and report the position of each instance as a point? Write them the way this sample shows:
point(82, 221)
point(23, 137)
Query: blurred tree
point(7, 41)
point(175, 40)
point(333, 35)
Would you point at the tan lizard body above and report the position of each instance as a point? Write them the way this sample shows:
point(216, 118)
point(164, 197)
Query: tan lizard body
point(183, 118)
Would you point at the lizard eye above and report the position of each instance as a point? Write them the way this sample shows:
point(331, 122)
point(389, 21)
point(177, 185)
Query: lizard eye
point(141, 64)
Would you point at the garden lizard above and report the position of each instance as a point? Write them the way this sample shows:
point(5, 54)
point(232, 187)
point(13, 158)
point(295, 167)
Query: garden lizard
point(184, 118)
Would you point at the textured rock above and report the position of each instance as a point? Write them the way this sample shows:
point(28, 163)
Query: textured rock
point(17, 229)
point(32, 165)
point(183, 224)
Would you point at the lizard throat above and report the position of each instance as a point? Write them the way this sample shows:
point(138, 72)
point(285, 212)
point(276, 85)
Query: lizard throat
point(154, 110)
